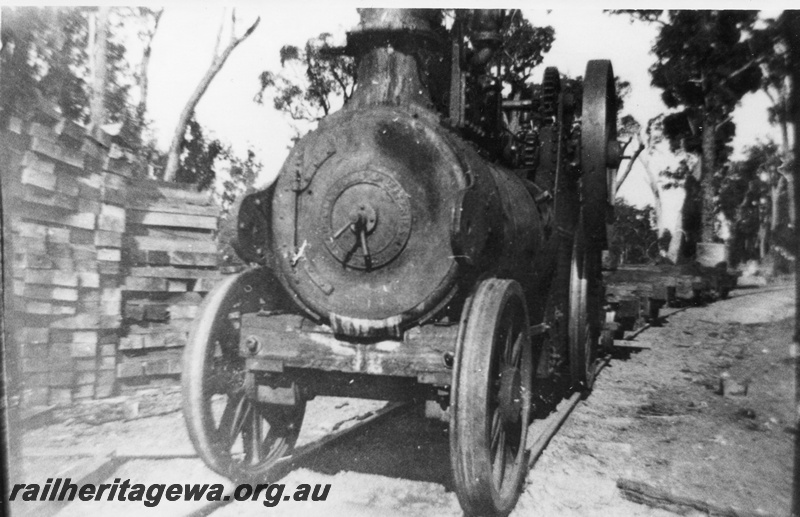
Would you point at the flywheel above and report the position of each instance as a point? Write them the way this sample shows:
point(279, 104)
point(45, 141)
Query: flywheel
point(600, 150)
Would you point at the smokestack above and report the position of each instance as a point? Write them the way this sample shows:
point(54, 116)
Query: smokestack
point(385, 43)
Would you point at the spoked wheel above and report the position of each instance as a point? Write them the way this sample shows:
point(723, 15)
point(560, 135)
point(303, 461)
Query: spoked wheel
point(237, 436)
point(491, 399)
point(600, 150)
point(584, 310)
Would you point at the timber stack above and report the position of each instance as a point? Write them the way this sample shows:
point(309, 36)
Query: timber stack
point(636, 293)
point(64, 199)
point(107, 270)
point(171, 263)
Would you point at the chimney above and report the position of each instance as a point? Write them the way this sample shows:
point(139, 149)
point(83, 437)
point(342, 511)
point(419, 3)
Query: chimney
point(386, 44)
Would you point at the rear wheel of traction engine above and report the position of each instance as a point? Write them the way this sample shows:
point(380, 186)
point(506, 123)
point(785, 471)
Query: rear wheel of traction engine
point(600, 151)
point(491, 399)
point(234, 434)
point(584, 309)
point(600, 157)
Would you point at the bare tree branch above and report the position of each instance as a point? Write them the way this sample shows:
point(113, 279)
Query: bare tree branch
point(173, 156)
point(99, 51)
point(630, 163)
point(144, 66)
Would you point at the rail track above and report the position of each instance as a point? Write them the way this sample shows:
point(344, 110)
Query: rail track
point(103, 470)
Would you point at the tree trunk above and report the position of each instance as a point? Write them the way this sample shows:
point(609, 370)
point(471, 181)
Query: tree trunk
point(174, 153)
point(775, 210)
point(144, 82)
point(790, 196)
point(708, 167)
point(629, 166)
point(652, 182)
point(97, 102)
point(786, 149)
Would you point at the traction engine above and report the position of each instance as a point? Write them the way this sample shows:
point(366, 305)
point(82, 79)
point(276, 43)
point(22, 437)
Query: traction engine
point(430, 241)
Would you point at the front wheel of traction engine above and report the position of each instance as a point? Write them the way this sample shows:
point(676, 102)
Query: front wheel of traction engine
point(235, 435)
point(491, 399)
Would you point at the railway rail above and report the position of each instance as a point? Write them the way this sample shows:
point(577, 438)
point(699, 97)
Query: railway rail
point(103, 470)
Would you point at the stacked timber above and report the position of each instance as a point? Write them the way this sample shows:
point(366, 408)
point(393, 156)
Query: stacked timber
point(171, 262)
point(636, 293)
point(66, 216)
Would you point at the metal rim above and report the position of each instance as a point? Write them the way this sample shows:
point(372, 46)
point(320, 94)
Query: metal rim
point(583, 334)
point(491, 399)
point(599, 147)
point(235, 435)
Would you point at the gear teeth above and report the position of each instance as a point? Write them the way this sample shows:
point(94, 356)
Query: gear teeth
point(529, 147)
point(551, 88)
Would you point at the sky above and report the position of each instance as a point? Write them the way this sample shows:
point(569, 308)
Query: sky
point(183, 47)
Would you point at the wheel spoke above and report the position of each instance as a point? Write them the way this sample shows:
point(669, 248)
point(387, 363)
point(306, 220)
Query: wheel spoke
point(486, 425)
point(254, 442)
point(517, 350)
point(240, 417)
point(216, 424)
point(497, 429)
point(508, 352)
point(499, 460)
point(510, 325)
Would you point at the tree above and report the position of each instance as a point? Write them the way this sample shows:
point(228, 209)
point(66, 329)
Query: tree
point(146, 36)
point(646, 140)
point(315, 79)
point(74, 56)
point(242, 174)
point(98, 42)
point(770, 45)
point(198, 157)
point(635, 240)
point(47, 57)
point(218, 61)
point(703, 86)
point(753, 196)
point(312, 80)
point(522, 49)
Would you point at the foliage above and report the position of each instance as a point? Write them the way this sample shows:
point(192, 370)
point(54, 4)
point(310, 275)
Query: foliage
point(315, 78)
point(310, 80)
point(199, 156)
point(768, 44)
point(704, 65)
point(243, 173)
point(747, 182)
point(635, 239)
point(49, 56)
point(704, 86)
point(203, 158)
point(676, 178)
point(522, 49)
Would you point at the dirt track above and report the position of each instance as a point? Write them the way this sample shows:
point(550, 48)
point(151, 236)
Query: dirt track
point(654, 418)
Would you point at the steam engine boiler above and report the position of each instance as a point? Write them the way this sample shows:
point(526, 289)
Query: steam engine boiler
point(431, 241)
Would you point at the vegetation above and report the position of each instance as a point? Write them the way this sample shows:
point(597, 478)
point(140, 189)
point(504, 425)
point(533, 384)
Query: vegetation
point(316, 79)
point(702, 89)
point(635, 240)
point(68, 54)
